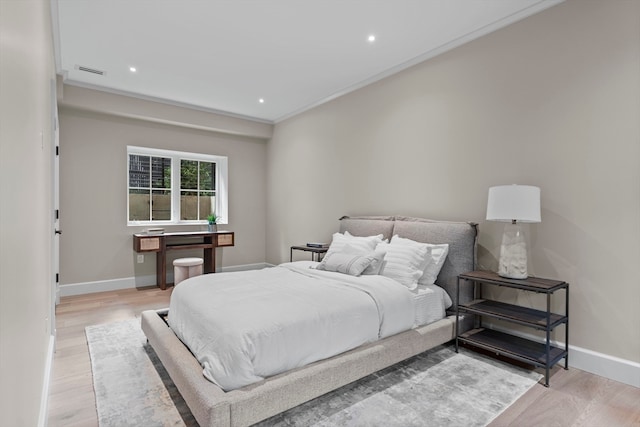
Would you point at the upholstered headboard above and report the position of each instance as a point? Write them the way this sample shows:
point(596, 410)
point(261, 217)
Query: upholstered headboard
point(461, 237)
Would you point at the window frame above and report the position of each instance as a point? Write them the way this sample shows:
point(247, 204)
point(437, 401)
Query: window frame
point(221, 180)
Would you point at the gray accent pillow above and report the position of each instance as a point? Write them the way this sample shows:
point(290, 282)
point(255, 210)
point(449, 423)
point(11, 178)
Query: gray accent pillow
point(378, 256)
point(347, 263)
point(376, 263)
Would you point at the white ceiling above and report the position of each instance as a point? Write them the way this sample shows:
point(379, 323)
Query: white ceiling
point(224, 55)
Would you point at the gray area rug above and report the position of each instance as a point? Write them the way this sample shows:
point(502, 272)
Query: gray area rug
point(131, 385)
point(437, 388)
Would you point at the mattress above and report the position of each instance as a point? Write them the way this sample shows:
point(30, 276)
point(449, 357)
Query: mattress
point(430, 301)
point(245, 326)
point(430, 304)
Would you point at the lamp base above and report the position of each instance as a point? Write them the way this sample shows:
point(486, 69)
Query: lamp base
point(513, 253)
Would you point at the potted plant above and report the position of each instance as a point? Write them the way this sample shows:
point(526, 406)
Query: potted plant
point(212, 219)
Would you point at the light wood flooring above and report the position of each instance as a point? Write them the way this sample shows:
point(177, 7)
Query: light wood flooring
point(72, 401)
point(575, 398)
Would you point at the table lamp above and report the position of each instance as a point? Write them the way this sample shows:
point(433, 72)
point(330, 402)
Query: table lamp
point(513, 204)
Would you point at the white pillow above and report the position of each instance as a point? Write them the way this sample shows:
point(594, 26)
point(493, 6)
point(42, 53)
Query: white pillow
point(377, 262)
point(437, 256)
point(359, 244)
point(434, 260)
point(352, 264)
point(403, 263)
point(376, 258)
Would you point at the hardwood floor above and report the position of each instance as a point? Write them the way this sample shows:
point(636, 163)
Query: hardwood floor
point(575, 398)
point(72, 401)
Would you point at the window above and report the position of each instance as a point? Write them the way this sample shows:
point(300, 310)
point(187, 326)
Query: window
point(149, 188)
point(172, 187)
point(197, 189)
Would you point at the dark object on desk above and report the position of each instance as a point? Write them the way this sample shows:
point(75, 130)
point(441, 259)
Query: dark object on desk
point(316, 253)
point(154, 230)
point(161, 243)
point(317, 245)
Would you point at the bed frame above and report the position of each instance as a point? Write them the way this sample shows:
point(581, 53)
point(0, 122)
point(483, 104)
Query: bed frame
point(213, 407)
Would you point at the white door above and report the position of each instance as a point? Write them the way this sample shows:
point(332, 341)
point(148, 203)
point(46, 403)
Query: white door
point(55, 202)
point(56, 218)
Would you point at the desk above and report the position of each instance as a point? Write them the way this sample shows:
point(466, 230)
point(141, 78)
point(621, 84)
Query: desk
point(208, 241)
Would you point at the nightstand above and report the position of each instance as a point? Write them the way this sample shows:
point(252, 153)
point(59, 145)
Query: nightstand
point(538, 354)
point(316, 253)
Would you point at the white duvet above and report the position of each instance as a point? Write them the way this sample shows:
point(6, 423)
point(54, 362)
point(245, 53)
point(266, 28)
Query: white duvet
point(245, 326)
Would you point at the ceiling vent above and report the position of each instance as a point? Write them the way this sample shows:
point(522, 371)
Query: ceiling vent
point(90, 70)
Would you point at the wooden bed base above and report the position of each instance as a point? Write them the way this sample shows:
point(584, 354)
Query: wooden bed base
point(213, 407)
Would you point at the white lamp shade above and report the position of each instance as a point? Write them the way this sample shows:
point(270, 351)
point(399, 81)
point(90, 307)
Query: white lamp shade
point(514, 202)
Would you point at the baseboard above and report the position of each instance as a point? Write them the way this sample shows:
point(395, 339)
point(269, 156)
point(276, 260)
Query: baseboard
point(44, 398)
point(107, 285)
point(246, 267)
point(612, 367)
point(604, 365)
point(135, 282)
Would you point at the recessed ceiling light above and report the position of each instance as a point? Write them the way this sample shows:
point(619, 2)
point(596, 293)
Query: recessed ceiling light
point(261, 100)
point(371, 38)
point(133, 69)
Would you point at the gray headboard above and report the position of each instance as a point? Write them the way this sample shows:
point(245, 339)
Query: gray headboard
point(461, 237)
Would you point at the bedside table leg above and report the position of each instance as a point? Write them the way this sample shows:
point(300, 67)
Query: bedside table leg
point(546, 377)
point(566, 328)
point(457, 310)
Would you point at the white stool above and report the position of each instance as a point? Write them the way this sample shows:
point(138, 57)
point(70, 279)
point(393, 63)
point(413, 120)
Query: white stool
point(183, 268)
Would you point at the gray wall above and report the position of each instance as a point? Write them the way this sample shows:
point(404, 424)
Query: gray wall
point(551, 101)
point(26, 73)
point(96, 244)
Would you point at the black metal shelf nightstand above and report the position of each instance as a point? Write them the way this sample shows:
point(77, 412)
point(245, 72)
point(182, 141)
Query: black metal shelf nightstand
point(539, 354)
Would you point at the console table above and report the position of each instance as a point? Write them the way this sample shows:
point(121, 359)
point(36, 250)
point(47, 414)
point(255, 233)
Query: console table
point(208, 241)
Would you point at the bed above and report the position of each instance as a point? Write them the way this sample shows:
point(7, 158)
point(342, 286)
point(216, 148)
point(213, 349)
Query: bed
point(246, 403)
